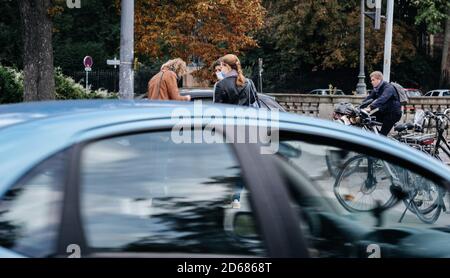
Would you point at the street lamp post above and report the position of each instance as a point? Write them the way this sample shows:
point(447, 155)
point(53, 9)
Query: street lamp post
point(361, 86)
point(388, 40)
point(126, 81)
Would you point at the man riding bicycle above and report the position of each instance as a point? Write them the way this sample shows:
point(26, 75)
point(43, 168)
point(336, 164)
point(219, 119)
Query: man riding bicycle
point(386, 100)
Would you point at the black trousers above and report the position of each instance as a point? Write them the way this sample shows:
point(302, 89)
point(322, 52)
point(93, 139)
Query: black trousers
point(388, 121)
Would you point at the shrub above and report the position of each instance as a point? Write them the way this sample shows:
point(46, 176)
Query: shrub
point(11, 85)
point(67, 88)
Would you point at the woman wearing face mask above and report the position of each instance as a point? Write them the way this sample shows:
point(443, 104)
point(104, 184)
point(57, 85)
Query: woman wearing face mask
point(164, 85)
point(234, 88)
point(218, 70)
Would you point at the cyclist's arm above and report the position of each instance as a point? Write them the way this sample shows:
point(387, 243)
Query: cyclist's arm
point(385, 96)
point(370, 96)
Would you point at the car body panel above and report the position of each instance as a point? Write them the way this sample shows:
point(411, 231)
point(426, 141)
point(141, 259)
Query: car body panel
point(438, 93)
point(411, 92)
point(207, 95)
point(5, 253)
point(31, 141)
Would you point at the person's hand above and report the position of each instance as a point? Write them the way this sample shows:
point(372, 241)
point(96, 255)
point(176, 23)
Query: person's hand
point(367, 109)
point(188, 97)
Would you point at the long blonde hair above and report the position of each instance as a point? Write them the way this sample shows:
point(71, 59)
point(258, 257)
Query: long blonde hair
point(233, 61)
point(176, 65)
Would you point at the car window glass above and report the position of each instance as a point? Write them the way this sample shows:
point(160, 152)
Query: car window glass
point(146, 193)
point(413, 93)
point(446, 94)
point(30, 211)
point(436, 94)
point(351, 205)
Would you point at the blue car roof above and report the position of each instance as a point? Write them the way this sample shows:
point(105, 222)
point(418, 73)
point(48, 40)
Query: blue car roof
point(12, 114)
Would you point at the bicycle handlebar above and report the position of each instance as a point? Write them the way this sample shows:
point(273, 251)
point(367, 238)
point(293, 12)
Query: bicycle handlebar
point(437, 114)
point(377, 123)
point(366, 103)
point(440, 118)
point(374, 111)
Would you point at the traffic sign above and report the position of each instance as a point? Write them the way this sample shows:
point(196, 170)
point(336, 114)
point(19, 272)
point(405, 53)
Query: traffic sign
point(114, 62)
point(88, 62)
point(370, 4)
point(375, 15)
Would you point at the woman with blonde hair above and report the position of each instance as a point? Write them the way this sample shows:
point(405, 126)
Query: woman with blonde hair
point(164, 85)
point(234, 88)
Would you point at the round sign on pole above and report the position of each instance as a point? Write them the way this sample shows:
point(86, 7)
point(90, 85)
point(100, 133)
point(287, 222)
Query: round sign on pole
point(88, 62)
point(370, 4)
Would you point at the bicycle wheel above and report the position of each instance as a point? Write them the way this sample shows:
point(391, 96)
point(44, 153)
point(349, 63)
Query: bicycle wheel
point(426, 198)
point(430, 217)
point(364, 184)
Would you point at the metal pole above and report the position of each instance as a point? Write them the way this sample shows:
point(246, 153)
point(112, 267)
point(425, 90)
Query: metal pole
point(126, 81)
point(87, 81)
point(115, 79)
point(260, 65)
point(361, 86)
point(388, 41)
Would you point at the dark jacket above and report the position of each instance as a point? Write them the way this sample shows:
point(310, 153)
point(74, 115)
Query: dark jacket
point(385, 98)
point(227, 91)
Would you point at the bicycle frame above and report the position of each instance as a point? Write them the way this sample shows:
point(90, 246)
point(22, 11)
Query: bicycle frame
point(440, 139)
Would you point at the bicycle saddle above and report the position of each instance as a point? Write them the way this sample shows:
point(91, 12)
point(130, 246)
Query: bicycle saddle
point(402, 127)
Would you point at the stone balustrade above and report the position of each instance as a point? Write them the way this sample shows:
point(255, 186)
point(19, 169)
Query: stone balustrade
point(322, 106)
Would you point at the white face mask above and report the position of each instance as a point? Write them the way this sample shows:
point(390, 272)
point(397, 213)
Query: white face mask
point(220, 75)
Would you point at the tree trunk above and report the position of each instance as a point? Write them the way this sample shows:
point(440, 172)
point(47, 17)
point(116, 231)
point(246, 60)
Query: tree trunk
point(445, 62)
point(37, 27)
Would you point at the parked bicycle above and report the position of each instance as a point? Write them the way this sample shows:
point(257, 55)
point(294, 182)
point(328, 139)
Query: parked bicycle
point(365, 183)
point(441, 124)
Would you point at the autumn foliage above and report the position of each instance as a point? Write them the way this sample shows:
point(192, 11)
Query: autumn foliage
point(325, 34)
point(196, 29)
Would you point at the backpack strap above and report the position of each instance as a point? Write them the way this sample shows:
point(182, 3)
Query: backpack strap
point(253, 91)
point(395, 89)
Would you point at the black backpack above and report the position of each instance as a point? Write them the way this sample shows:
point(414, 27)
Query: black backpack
point(252, 97)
